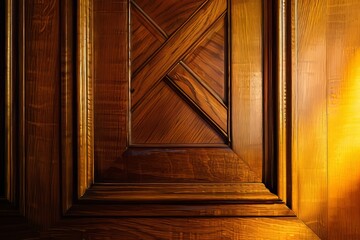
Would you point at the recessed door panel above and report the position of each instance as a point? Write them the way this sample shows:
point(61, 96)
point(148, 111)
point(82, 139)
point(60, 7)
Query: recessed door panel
point(163, 98)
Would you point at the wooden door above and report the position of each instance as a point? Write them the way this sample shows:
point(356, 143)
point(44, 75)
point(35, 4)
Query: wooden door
point(159, 113)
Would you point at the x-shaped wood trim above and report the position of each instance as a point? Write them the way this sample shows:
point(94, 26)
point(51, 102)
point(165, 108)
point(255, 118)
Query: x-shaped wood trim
point(171, 52)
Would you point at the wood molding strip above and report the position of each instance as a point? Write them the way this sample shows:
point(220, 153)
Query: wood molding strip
point(179, 192)
point(67, 96)
point(158, 31)
point(85, 97)
point(198, 95)
point(180, 210)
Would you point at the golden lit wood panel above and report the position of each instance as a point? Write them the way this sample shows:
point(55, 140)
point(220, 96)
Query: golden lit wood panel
point(246, 82)
point(311, 116)
point(343, 74)
point(183, 228)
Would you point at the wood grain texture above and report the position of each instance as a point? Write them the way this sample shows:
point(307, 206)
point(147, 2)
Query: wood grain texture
point(43, 86)
point(343, 80)
point(200, 96)
point(246, 84)
point(312, 115)
point(111, 82)
point(9, 162)
point(169, 15)
point(145, 38)
point(67, 99)
point(259, 209)
point(173, 49)
point(164, 118)
point(190, 192)
point(179, 165)
point(42, 117)
point(208, 59)
point(183, 228)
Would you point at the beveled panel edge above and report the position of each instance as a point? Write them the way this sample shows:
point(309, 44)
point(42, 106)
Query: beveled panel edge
point(67, 16)
point(180, 192)
point(180, 210)
point(84, 96)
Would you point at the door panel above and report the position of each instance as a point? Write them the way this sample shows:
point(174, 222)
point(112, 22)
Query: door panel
point(162, 98)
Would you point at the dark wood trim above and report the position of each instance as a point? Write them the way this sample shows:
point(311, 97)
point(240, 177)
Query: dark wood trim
point(234, 209)
point(13, 201)
point(269, 108)
point(68, 119)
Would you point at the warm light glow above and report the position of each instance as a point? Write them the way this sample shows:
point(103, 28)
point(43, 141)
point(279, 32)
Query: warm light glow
point(344, 123)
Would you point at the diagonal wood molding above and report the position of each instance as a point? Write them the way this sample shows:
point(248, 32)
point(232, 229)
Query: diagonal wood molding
point(159, 64)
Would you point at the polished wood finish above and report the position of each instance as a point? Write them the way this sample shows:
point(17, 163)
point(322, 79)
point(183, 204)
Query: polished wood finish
point(180, 12)
point(177, 45)
point(11, 162)
point(208, 60)
point(200, 96)
point(180, 228)
point(310, 111)
point(326, 114)
point(183, 210)
point(42, 104)
point(174, 132)
point(246, 75)
point(178, 165)
point(111, 83)
point(343, 86)
point(150, 127)
point(67, 13)
point(320, 69)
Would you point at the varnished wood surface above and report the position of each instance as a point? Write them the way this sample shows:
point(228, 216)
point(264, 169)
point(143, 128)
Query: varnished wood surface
point(42, 103)
point(182, 228)
point(111, 82)
point(204, 51)
point(343, 101)
point(208, 59)
point(177, 45)
point(328, 117)
point(163, 115)
point(311, 115)
point(327, 105)
point(170, 15)
point(67, 88)
point(145, 38)
point(186, 109)
point(180, 192)
point(246, 83)
point(260, 209)
point(171, 165)
point(199, 95)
